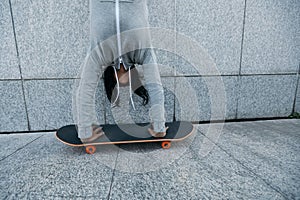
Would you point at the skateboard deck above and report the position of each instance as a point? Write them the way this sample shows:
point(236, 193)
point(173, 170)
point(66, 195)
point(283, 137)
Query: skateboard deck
point(126, 133)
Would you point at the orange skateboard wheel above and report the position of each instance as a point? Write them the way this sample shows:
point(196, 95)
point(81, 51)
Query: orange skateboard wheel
point(90, 149)
point(166, 145)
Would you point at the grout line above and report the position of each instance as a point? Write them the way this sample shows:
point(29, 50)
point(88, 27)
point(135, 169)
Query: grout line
point(14, 32)
point(247, 168)
point(240, 67)
point(38, 79)
point(113, 175)
point(243, 35)
point(165, 76)
point(193, 122)
point(238, 96)
point(28, 132)
point(19, 65)
point(21, 148)
point(214, 75)
point(174, 100)
point(175, 30)
point(240, 120)
point(36, 131)
point(295, 98)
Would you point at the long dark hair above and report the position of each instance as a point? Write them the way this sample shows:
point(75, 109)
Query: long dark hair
point(136, 84)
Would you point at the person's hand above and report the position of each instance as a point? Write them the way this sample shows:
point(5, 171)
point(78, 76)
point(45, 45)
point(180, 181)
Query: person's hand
point(158, 134)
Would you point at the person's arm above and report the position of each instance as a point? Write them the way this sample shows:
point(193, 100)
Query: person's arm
point(155, 89)
point(83, 102)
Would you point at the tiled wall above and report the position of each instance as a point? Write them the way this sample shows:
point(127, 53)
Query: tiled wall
point(253, 45)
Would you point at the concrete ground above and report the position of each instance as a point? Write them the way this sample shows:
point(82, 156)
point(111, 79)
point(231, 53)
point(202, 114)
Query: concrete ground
point(246, 160)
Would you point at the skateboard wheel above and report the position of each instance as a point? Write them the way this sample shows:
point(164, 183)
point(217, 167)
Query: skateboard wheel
point(90, 149)
point(166, 145)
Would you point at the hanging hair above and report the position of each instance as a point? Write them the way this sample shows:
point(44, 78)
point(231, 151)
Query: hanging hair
point(110, 84)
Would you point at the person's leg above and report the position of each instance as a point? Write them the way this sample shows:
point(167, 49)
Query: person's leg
point(102, 22)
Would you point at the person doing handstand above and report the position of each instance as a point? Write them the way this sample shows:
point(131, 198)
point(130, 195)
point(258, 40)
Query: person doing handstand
point(115, 56)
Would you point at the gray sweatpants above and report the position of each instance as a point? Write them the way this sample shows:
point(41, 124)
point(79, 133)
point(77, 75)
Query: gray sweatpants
point(103, 52)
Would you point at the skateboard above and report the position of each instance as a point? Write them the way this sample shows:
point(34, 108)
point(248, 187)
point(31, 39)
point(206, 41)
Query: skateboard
point(126, 133)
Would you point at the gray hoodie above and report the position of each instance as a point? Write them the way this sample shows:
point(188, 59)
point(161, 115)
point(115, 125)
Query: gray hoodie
point(118, 34)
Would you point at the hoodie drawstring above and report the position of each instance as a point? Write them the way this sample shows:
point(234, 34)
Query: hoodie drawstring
point(120, 56)
point(130, 91)
point(114, 103)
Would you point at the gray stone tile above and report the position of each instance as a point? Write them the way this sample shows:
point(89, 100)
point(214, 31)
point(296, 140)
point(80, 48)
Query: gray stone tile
point(12, 113)
point(266, 96)
point(126, 114)
point(162, 13)
point(217, 27)
point(50, 103)
point(205, 98)
point(49, 169)
point(10, 143)
point(166, 62)
point(292, 125)
point(267, 150)
point(52, 37)
point(162, 16)
point(164, 44)
point(9, 62)
point(160, 174)
point(271, 38)
point(150, 157)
